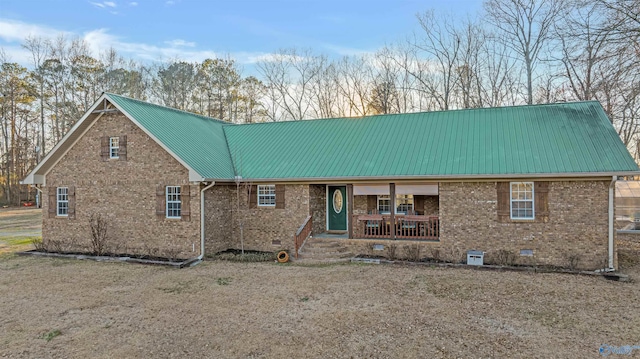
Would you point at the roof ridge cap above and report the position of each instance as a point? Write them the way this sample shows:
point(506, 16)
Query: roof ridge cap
point(170, 108)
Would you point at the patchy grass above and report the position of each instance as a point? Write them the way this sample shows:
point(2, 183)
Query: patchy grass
point(263, 310)
point(21, 241)
point(223, 281)
point(19, 228)
point(51, 334)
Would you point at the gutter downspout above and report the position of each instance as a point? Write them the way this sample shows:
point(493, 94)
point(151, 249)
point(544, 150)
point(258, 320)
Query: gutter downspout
point(612, 193)
point(202, 220)
point(38, 189)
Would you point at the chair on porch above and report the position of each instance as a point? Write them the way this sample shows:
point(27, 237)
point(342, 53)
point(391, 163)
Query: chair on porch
point(373, 227)
point(408, 228)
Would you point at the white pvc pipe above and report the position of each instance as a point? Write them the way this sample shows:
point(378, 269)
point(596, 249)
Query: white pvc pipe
point(612, 194)
point(202, 219)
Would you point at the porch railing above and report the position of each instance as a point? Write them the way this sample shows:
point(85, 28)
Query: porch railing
point(302, 234)
point(406, 226)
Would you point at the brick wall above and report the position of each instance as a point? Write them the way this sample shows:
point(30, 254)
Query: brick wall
point(577, 226)
point(431, 205)
point(219, 202)
point(318, 207)
point(264, 228)
point(578, 223)
point(359, 205)
point(124, 192)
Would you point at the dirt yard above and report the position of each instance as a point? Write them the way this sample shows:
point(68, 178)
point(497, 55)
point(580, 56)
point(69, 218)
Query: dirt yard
point(53, 308)
point(57, 308)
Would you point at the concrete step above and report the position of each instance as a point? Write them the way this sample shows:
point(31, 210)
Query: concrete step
point(324, 249)
point(314, 249)
point(318, 243)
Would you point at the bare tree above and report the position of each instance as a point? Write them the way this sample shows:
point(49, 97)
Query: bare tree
point(441, 41)
point(289, 75)
point(354, 84)
point(525, 26)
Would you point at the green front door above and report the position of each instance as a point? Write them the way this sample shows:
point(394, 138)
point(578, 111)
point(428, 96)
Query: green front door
point(337, 208)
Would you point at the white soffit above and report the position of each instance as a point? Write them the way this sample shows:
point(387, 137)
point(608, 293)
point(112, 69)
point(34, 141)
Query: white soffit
point(381, 190)
point(363, 190)
point(419, 189)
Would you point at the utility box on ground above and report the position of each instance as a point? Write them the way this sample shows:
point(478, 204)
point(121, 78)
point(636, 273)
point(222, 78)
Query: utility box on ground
point(475, 258)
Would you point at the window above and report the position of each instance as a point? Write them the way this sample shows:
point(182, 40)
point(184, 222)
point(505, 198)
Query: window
point(522, 200)
point(174, 203)
point(267, 195)
point(384, 204)
point(62, 201)
point(114, 147)
point(404, 203)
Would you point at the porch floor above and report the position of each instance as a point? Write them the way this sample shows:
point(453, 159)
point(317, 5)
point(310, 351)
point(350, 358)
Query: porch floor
point(332, 235)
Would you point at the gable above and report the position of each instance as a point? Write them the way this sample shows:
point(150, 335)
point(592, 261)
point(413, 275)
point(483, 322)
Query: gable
point(197, 141)
point(186, 137)
point(145, 162)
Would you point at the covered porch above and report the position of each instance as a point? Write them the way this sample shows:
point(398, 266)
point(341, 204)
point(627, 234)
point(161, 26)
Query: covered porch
point(393, 211)
point(376, 211)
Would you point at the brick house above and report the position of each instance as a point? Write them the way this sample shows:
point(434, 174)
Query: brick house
point(533, 181)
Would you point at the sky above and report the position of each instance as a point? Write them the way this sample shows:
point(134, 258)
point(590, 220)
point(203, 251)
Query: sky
point(193, 30)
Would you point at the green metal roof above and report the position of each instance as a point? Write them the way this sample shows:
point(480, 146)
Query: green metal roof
point(546, 139)
point(564, 138)
point(197, 140)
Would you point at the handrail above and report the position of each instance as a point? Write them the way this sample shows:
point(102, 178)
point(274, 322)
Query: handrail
point(302, 234)
point(406, 226)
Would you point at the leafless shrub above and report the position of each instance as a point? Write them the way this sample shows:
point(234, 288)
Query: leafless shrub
point(68, 246)
point(435, 254)
point(502, 257)
point(573, 260)
point(114, 248)
point(413, 253)
point(149, 250)
point(38, 244)
point(98, 234)
point(171, 254)
point(458, 255)
point(391, 252)
point(53, 245)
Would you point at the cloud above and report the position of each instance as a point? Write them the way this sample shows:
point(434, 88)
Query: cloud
point(133, 3)
point(104, 4)
point(16, 31)
point(13, 33)
point(270, 57)
point(170, 2)
point(180, 42)
point(347, 51)
point(100, 40)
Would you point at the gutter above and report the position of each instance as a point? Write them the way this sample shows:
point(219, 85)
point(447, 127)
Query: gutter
point(562, 175)
point(201, 256)
point(612, 193)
